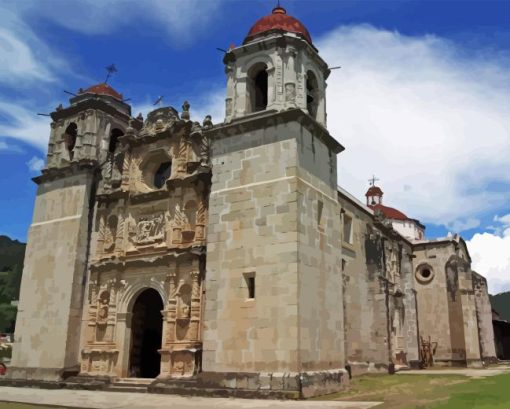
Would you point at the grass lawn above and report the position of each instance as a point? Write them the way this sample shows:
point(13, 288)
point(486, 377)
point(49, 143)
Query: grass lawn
point(429, 391)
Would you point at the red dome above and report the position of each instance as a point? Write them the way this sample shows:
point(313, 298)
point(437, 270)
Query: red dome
point(374, 191)
point(103, 89)
point(389, 212)
point(278, 20)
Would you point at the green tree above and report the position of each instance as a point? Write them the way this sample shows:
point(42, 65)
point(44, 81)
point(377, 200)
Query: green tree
point(7, 317)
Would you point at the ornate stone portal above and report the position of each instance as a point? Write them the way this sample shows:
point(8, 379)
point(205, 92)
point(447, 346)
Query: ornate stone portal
point(151, 231)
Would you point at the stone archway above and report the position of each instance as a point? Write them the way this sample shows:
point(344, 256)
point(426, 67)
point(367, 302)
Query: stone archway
point(146, 335)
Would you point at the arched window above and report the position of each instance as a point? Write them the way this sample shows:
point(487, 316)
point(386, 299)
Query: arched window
point(312, 97)
point(115, 134)
point(70, 135)
point(257, 87)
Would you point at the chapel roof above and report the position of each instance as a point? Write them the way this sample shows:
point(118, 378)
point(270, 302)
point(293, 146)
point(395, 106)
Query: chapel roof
point(278, 20)
point(389, 212)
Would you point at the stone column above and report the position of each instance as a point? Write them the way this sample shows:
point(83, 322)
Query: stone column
point(230, 103)
point(201, 218)
point(195, 306)
point(171, 307)
point(182, 159)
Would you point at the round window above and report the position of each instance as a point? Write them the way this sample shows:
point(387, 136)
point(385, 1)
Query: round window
point(424, 273)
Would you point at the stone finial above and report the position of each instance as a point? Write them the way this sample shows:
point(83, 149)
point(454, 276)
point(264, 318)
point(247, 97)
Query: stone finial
point(59, 108)
point(185, 110)
point(139, 116)
point(207, 123)
point(130, 130)
point(80, 91)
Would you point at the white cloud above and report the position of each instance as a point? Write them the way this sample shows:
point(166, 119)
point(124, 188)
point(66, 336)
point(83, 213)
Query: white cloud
point(35, 164)
point(429, 120)
point(502, 227)
point(25, 59)
point(24, 125)
point(490, 256)
point(182, 19)
point(458, 226)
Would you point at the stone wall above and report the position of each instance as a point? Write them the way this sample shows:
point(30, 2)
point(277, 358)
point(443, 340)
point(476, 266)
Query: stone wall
point(380, 303)
point(433, 311)
point(51, 297)
point(446, 302)
point(319, 258)
point(484, 318)
point(364, 301)
point(264, 223)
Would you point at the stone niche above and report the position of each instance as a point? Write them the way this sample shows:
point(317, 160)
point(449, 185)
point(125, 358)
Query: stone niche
point(182, 346)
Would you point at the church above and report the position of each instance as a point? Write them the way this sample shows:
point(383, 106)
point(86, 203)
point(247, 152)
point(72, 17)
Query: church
point(223, 259)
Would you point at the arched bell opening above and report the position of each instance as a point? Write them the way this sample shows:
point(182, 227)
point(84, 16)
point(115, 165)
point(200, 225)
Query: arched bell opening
point(146, 335)
point(70, 136)
point(312, 94)
point(115, 134)
point(257, 87)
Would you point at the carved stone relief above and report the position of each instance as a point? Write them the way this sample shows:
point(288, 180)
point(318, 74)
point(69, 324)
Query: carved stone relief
point(150, 229)
point(183, 363)
point(141, 223)
point(110, 234)
point(290, 92)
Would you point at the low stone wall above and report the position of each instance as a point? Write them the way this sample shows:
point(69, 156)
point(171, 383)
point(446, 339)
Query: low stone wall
point(39, 374)
point(277, 385)
point(218, 384)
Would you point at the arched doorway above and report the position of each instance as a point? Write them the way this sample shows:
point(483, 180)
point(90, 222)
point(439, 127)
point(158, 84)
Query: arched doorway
point(146, 334)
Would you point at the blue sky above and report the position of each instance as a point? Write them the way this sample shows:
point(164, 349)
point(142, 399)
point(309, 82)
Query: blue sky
point(422, 98)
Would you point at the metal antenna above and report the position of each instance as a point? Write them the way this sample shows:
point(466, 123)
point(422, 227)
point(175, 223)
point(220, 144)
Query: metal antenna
point(111, 69)
point(373, 180)
point(43, 114)
point(335, 68)
point(70, 93)
point(222, 50)
point(158, 101)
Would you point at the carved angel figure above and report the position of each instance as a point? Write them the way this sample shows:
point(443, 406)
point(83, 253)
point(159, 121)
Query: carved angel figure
point(102, 310)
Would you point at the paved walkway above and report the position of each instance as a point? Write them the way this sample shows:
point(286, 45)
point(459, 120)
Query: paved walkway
point(128, 400)
point(471, 372)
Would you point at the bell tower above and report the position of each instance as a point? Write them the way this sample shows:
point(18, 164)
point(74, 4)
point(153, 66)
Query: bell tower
point(83, 139)
point(274, 279)
point(276, 68)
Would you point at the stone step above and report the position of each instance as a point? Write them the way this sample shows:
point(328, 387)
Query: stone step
point(134, 381)
point(126, 388)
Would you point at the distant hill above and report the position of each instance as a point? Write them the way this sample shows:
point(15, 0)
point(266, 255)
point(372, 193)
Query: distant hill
point(12, 254)
point(501, 303)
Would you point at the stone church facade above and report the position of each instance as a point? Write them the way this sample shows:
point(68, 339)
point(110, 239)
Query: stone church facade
point(225, 257)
